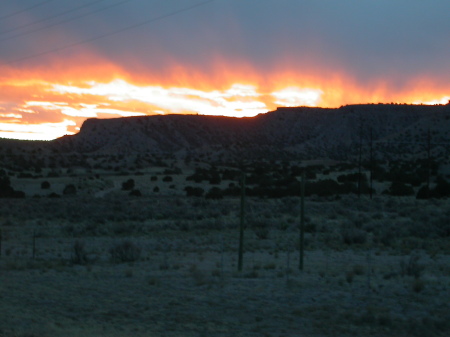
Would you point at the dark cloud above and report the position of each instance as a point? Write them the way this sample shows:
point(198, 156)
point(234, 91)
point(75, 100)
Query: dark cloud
point(368, 40)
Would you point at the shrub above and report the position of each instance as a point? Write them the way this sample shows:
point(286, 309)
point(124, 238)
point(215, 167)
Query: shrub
point(352, 177)
point(214, 179)
point(358, 269)
point(418, 285)
point(262, 233)
point(6, 191)
point(53, 174)
point(214, 193)
point(412, 267)
point(423, 193)
point(79, 254)
point(398, 188)
point(128, 185)
point(354, 236)
point(194, 191)
point(18, 194)
point(45, 185)
point(442, 189)
point(327, 187)
point(198, 276)
point(136, 193)
point(125, 251)
point(70, 190)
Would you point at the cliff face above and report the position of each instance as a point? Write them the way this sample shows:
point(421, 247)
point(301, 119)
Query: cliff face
point(303, 132)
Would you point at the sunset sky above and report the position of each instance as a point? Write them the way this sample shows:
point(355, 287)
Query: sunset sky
point(62, 61)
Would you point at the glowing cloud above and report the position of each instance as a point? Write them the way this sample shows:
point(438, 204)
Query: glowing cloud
point(443, 100)
point(214, 60)
point(43, 131)
point(293, 96)
point(239, 101)
point(31, 108)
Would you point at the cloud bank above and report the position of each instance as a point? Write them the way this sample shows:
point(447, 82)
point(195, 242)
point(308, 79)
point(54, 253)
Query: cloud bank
point(63, 62)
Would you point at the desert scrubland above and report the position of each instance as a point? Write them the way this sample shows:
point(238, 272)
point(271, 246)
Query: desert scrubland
point(102, 260)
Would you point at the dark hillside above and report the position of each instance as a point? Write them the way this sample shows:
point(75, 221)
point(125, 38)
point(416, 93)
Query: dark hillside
point(398, 131)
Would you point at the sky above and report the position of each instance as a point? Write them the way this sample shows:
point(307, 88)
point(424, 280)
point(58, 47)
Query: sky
point(63, 61)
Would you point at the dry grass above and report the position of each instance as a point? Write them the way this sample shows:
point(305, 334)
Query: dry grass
point(183, 281)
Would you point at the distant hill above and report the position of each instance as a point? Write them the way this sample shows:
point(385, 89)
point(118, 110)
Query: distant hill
point(397, 131)
point(303, 131)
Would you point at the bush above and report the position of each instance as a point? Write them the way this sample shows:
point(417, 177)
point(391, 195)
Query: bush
point(125, 251)
point(398, 188)
point(412, 266)
point(214, 179)
point(354, 236)
point(423, 193)
point(214, 193)
point(194, 191)
point(135, 193)
point(45, 185)
point(6, 191)
point(79, 254)
point(128, 185)
point(262, 233)
point(327, 187)
point(352, 177)
point(70, 190)
point(442, 189)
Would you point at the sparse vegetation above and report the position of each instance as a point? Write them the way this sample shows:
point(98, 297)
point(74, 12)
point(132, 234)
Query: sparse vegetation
point(125, 251)
point(128, 185)
point(412, 266)
point(45, 185)
point(79, 253)
point(172, 237)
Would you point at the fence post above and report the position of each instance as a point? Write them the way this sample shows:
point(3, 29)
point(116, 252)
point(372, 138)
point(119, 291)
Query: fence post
point(222, 248)
point(428, 162)
point(302, 222)
point(241, 224)
point(1, 242)
point(371, 163)
point(288, 265)
point(34, 244)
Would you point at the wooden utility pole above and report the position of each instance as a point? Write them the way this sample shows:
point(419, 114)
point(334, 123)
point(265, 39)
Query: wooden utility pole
point(302, 222)
point(34, 244)
point(242, 224)
point(360, 155)
point(429, 160)
point(371, 163)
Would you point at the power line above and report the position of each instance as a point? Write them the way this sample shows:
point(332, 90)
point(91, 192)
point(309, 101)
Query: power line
point(410, 143)
point(153, 20)
point(51, 17)
point(24, 10)
point(64, 21)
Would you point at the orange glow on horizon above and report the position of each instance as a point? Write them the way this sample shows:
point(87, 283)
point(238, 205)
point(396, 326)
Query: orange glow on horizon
point(50, 101)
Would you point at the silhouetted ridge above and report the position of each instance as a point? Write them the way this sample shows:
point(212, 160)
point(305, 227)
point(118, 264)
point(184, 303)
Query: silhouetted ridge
point(303, 132)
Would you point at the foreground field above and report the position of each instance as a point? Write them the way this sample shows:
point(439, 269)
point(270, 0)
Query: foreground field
point(115, 266)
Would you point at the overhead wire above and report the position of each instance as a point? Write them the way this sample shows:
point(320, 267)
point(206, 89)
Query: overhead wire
point(51, 17)
point(64, 21)
point(7, 16)
point(115, 32)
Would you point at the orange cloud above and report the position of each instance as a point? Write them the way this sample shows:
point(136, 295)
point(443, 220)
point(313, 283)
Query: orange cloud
point(51, 100)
